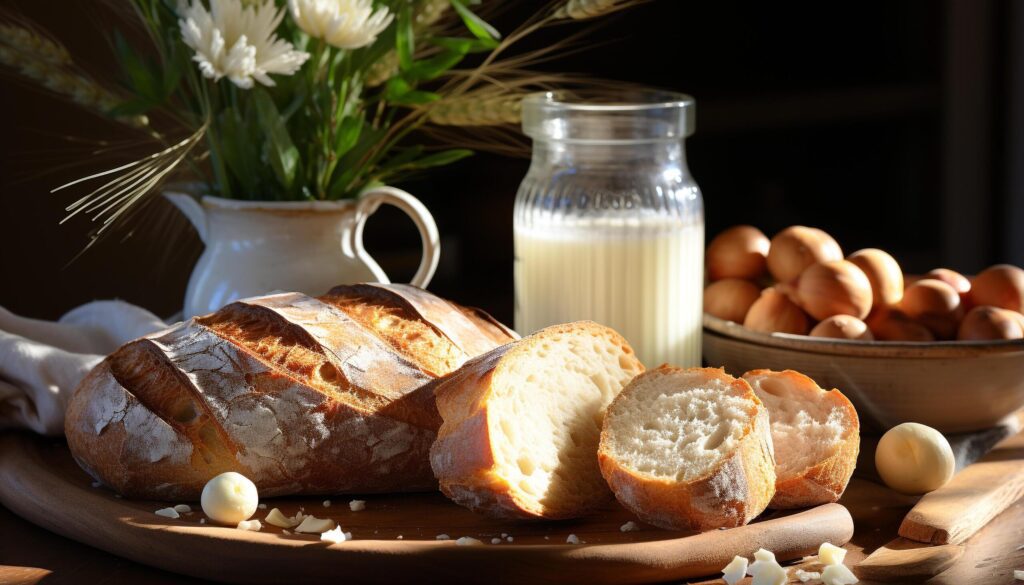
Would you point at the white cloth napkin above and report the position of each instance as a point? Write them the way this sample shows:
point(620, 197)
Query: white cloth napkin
point(41, 362)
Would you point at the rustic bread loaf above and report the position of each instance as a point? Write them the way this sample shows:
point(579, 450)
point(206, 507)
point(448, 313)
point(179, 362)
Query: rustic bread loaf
point(688, 449)
point(289, 390)
point(521, 423)
point(816, 436)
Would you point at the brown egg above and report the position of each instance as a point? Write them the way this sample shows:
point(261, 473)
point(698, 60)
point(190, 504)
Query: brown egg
point(833, 288)
point(730, 298)
point(797, 247)
point(934, 304)
point(889, 324)
point(959, 282)
point(738, 252)
point(843, 327)
point(883, 272)
point(1000, 286)
point(773, 312)
point(990, 323)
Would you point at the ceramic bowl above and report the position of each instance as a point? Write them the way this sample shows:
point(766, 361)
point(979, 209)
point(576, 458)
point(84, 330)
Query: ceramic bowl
point(953, 386)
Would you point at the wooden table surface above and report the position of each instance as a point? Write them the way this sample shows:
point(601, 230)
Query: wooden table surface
point(29, 554)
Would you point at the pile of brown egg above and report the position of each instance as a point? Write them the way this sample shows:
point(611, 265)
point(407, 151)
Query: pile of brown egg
point(798, 282)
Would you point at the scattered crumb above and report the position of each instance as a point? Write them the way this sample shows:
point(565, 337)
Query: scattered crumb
point(335, 535)
point(735, 570)
point(629, 527)
point(1018, 575)
point(504, 534)
point(202, 520)
point(442, 537)
point(838, 575)
point(253, 525)
point(375, 532)
point(262, 506)
point(327, 503)
point(510, 539)
point(168, 513)
point(357, 505)
point(314, 525)
point(467, 541)
point(276, 518)
point(183, 509)
point(573, 539)
point(399, 537)
point(285, 531)
point(806, 576)
point(1021, 547)
point(547, 538)
point(97, 484)
point(495, 541)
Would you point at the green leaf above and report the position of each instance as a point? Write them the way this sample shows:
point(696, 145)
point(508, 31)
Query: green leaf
point(434, 67)
point(474, 23)
point(133, 107)
point(348, 135)
point(239, 151)
point(405, 39)
point(464, 45)
point(415, 98)
point(396, 87)
point(445, 157)
point(278, 148)
point(140, 76)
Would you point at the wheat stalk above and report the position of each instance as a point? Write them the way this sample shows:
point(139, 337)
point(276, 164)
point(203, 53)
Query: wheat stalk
point(585, 9)
point(48, 64)
point(130, 183)
point(476, 111)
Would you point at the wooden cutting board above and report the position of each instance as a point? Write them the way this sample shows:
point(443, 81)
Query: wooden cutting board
point(41, 482)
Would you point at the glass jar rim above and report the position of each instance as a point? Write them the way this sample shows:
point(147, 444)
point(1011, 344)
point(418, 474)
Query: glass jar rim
point(626, 116)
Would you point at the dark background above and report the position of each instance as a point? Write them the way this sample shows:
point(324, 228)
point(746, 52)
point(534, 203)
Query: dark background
point(897, 125)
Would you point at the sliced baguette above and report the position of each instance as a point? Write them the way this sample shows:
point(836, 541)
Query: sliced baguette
point(816, 435)
point(521, 423)
point(688, 449)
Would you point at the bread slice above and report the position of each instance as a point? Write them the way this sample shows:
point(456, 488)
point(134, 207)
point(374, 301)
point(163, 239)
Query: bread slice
point(521, 423)
point(689, 449)
point(816, 436)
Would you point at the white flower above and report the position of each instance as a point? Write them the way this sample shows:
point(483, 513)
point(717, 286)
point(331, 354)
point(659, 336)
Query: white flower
point(346, 24)
point(237, 40)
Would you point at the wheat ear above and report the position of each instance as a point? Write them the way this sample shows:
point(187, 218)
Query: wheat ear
point(49, 64)
point(476, 111)
point(584, 9)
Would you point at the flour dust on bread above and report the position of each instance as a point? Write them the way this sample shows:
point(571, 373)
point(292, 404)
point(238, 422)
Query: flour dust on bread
point(287, 389)
point(688, 449)
point(521, 423)
point(816, 435)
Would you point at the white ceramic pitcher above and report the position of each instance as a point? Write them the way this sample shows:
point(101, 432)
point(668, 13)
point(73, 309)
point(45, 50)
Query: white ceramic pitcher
point(255, 247)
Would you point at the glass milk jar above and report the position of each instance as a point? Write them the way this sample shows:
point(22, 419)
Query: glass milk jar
point(609, 224)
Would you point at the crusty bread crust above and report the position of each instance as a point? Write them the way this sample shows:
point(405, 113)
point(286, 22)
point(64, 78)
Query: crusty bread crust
point(825, 481)
point(731, 494)
point(285, 389)
point(463, 457)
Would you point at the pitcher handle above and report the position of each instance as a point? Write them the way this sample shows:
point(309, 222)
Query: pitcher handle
point(371, 199)
point(191, 209)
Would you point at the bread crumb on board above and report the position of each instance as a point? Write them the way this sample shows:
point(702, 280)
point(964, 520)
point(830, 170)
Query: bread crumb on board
point(335, 535)
point(327, 503)
point(168, 513)
point(261, 506)
point(629, 527)
point(467, 541)
point(183, 509)
point(1018, 575)
point(357, 505)
point(495, 540)
point(442, 537)
point(253, 525)
point(573, 539)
